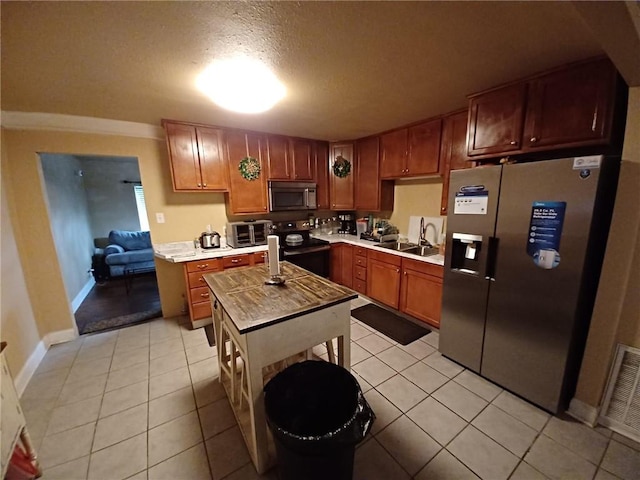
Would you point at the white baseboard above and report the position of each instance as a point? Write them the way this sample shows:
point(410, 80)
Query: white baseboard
point(22, 378)
point(60, 336)
point(82, 294)
point(583, 412)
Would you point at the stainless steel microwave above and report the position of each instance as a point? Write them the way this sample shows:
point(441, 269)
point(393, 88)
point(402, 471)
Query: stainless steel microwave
point(292, 196)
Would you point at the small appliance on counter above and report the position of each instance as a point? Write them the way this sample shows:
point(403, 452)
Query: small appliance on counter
point(382, 232)
point(210, 240)
point(347, 223)
point(248, 233)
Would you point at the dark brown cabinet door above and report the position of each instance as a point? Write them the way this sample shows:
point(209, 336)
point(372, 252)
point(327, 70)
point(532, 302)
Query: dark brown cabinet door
point(335, 267)
point(322, 175)
point(453, 152)
point(246, 196)
point(341, 188)
point(301, 160)
point(571, 107)
point(421, 296)
point(496, 120)
point(383, 282)
point(213, 166)
point(367, 173)
point(183, 154)
point(278, 157)
point(393, 153)
point(346, 264)
point(424, 148)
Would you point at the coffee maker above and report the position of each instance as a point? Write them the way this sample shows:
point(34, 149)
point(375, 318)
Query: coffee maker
point(347, 223)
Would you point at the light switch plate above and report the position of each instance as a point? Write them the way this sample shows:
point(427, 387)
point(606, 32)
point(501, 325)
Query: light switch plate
point(160, 217)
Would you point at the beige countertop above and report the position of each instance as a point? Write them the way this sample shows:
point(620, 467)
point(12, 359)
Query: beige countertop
point(354, 240)
point(179, 252)
point(252, 305)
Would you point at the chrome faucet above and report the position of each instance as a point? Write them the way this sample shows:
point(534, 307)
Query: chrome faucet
point(423, 232)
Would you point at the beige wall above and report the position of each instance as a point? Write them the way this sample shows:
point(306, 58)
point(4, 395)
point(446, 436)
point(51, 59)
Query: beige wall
point(415, 197)
point(18, 327)
point(616, 316)
point(186, 214)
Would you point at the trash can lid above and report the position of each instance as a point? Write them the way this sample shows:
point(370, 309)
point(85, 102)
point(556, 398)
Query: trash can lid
point(311, 399)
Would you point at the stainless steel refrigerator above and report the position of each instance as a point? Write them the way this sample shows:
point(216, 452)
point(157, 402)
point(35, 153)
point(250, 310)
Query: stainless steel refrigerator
point(525, 244)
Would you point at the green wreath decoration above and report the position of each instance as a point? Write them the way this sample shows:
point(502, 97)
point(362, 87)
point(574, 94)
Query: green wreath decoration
point(249, 168)
point(341, 167)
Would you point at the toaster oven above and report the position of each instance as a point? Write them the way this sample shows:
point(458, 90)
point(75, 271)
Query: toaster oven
point(247, 234)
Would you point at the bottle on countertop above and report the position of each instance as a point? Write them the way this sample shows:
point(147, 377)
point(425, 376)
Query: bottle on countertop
point(223, 237)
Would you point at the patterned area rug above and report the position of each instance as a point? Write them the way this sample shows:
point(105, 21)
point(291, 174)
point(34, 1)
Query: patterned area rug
point(117, 322)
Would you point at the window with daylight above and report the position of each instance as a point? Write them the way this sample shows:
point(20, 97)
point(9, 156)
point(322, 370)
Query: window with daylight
point(142, 208)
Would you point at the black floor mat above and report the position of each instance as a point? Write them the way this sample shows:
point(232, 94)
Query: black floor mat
point(400, 329)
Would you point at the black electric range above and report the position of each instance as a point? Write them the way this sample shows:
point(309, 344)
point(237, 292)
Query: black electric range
point(300, 248)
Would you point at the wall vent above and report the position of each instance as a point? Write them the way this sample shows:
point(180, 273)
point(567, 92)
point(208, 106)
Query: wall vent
point(621, 407)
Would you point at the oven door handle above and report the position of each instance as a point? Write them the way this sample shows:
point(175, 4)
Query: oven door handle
point(302, 251)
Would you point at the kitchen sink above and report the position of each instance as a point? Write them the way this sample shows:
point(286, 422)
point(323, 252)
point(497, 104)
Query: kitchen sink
point(422, 250)
point(398, 246)
point(408, 247)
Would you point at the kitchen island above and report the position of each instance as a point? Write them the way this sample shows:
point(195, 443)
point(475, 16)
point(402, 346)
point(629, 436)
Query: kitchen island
point(258, 327)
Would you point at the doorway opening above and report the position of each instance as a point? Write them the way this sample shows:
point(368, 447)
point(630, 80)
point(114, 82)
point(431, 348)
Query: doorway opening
point(94, 202)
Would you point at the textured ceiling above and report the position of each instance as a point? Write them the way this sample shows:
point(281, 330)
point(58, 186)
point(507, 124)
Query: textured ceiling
point(351, 68)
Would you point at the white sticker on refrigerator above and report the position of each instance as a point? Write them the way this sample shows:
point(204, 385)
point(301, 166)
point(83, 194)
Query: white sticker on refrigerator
point(471, 200)
point(545, 232)
point(592, 161)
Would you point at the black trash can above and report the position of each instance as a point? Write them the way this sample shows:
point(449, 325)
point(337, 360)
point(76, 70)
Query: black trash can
point(317, 414)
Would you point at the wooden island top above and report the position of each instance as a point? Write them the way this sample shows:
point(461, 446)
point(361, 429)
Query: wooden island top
point(252, 305)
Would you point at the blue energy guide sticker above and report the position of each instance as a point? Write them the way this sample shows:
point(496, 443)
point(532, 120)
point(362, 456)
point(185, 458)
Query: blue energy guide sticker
point(545, 231)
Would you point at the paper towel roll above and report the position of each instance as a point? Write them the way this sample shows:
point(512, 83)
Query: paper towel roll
point(274, 245)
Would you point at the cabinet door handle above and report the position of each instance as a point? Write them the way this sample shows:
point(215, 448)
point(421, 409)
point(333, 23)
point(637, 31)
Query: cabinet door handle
point(405, 273)
point(234, 260)
point(204, 295)
point(199, 185)
point(534, 139)
point(204, 184)
point(202, 266)
point(201, 279)
point(514, 142)
point(595, 120)
point(397, 270)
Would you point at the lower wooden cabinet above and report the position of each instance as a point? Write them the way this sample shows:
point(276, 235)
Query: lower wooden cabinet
point(197, 290)
point(341, 267)
point(383, 278)
point(360, 270)
point(421, 291)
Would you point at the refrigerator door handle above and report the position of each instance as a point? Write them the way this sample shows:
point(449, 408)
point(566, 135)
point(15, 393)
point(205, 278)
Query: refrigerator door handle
point(492, 256)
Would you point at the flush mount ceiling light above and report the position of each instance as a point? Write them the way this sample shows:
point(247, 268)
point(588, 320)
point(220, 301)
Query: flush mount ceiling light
point(241, 85)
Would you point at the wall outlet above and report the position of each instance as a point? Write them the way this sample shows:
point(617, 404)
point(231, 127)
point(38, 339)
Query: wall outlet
point(160, 217)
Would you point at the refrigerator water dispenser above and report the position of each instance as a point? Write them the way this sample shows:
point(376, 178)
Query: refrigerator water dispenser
point(465, 253)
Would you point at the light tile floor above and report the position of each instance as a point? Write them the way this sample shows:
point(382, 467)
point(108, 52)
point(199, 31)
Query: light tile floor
point(144, 403)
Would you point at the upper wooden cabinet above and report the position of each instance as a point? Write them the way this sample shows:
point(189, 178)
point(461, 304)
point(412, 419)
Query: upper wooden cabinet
point(341, 188)
point(566, 108)
point(371, 193)
point(321, 155)
point(393, 153)
point(302, 159)
point(246, 196)
point(495, 121)
point(289, 159)
point(197, 157)
point(412, 151)
point(453, 151)
point(571, 107)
